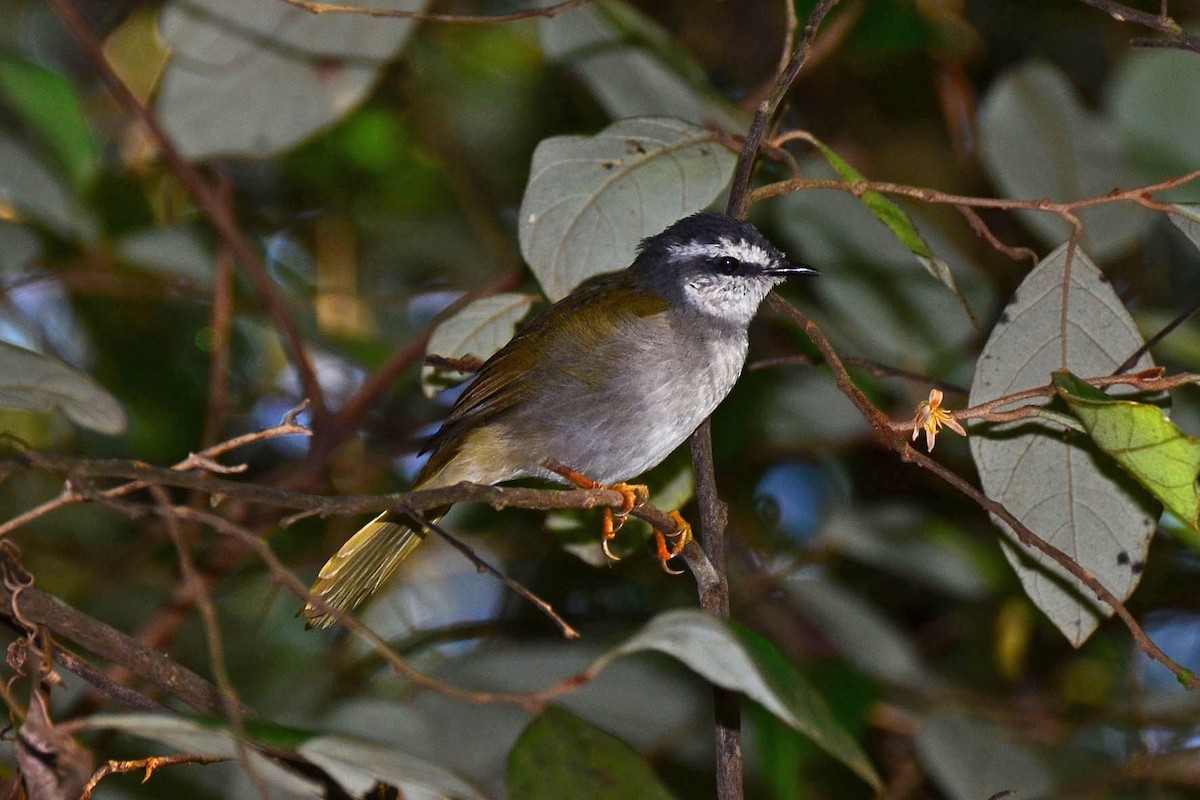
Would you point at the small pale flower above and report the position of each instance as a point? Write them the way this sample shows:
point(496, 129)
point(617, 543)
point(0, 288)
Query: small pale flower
point(931, 417)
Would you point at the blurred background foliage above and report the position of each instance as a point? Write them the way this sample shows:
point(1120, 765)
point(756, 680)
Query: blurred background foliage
point(887, 591)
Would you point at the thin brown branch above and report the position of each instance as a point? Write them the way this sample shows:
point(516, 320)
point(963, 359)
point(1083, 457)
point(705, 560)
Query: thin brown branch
point(209, 199)
point(737, 204)
point(100, 639)
point(425, 16)
point(194, 586)
point(1161, 22)
point(890, 438)
point(147, 766)
point(288, 427)
point(1140, 194)
point(982, 230)
point(532, 701)
point(481, 565)
point(713, 513)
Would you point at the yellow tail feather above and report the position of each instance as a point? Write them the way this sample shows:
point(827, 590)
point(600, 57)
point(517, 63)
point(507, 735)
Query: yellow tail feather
point(361, 566)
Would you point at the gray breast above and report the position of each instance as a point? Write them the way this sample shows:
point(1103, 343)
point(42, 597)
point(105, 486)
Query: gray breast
point(615, 426)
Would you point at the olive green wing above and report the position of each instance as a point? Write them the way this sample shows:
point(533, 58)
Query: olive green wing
point(504, 379)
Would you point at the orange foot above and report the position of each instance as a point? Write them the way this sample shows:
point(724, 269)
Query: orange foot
point(678, 540)
point(635, 494)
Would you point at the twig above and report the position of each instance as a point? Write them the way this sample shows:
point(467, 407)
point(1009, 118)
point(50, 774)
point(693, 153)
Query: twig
point(1162, 23)
point(107, 642)
point(195, 587)
point(713, 514)
point(122, 694)
point(423, 16)
point(889, 437)
point(148, 766)
point(766, 110)
point(288, 427)
point(420, 521)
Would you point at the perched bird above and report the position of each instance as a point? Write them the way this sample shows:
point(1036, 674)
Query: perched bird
point(606, 382)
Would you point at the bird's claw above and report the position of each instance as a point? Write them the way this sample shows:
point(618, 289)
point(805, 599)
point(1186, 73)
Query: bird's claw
point(633, 495)
point(678, 540)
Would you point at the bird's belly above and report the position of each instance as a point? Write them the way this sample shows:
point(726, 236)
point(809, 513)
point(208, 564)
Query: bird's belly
point(625, 429)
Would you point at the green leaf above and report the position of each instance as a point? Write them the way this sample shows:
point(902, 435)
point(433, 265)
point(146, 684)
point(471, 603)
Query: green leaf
point(50, 104)
point(1055, 484)
point(562, 757)
point(900, 224)
point(591, 199)
point(478, 330)
point(736, 658)
point(35, 382)
point(1142, 440)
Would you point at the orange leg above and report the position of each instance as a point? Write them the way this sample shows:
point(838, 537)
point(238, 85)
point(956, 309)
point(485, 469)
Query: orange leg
point(634, 494)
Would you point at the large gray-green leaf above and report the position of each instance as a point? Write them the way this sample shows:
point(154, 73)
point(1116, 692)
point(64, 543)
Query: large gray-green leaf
point(1153, 101)
point(564, 757)
point(18, 247)
point(973, 760)
point(358, 765)
point(863, 635)
point(205, 739)
point(35, 382)
point(35, 191)
point(255, 78)
point(632, 66)
point(1055, 482)
point(172, 251)
point(1187, 219)
point(742, 661)
point(1039, 141)
point(591, 199)
point(479, 329)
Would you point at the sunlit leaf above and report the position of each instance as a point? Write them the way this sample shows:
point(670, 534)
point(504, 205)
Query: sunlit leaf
point(1050, 480)
point(35, 382)
point(563, 757)
point(900, 224)
point(1039, 140)
point(743, 661)
point(255, 78)
point(632, 66)
point(1139, 436)
point(591, 199)
point(478, 330)
point(50, 104)
point(971, 759)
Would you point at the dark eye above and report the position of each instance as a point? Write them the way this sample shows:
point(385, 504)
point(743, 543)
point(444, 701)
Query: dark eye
point(728, 265)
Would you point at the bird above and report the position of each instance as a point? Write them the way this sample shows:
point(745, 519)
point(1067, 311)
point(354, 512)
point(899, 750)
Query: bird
point(596, 390)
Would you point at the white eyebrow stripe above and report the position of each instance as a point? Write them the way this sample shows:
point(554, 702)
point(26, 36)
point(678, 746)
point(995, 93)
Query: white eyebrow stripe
point(742, 251)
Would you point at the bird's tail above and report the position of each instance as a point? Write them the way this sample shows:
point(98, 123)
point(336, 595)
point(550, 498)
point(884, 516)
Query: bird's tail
point(361, 566)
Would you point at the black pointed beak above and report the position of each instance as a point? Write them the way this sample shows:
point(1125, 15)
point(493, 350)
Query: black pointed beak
point(790, 269)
